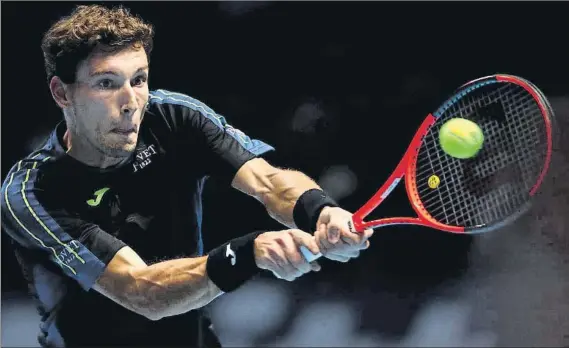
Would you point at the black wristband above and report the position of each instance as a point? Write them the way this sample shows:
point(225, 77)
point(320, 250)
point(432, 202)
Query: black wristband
point(232, 264)
point(308, 207)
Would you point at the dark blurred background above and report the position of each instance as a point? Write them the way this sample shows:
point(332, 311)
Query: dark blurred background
point(339, 88)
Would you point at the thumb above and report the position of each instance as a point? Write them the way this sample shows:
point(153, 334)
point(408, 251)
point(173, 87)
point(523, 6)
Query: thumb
point(333, 233)
point(304, 239)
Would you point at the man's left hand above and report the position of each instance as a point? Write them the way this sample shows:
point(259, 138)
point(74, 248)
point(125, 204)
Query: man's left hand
point(334, 236)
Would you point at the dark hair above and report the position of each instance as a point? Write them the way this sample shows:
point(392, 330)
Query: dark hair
point(71, 39)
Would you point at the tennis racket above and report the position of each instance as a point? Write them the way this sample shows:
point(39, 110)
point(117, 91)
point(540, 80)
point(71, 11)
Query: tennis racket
point(482, 193)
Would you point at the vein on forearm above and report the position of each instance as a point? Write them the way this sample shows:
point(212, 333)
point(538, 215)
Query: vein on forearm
point(279, 192)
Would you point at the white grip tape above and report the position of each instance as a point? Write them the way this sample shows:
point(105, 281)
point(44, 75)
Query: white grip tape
point(308, 255)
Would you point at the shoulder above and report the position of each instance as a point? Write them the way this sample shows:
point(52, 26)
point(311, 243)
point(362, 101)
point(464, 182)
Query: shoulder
point(166, 97)
point(25, 174)
point(30, 172)
point(180, 109)
point(24, 197)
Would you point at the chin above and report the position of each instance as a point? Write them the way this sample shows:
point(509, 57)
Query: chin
point(128, 148)
point(118, 153)
point(120, 150)
point(118, 146)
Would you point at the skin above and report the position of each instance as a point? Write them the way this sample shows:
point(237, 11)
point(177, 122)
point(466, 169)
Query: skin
point(103, 110)
point(279, 189)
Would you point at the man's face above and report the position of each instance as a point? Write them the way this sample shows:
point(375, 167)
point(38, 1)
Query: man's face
point(108, 100)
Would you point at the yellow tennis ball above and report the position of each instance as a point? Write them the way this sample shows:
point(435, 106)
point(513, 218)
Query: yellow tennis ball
point(461, 138)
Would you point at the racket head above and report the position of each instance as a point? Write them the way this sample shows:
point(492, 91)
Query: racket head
point(495, 187)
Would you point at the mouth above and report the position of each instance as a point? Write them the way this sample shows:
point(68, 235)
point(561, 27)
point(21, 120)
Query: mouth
point(124, 131)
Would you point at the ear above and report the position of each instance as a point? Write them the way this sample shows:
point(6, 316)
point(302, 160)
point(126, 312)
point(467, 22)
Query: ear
point(59, 92)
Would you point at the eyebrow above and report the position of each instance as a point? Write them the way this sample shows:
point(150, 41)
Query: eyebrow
point(110, 72)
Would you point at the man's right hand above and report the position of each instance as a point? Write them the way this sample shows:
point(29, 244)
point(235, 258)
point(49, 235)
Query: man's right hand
point(279, 252)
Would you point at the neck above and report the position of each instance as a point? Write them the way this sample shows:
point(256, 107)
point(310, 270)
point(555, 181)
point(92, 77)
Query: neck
point(86, 153)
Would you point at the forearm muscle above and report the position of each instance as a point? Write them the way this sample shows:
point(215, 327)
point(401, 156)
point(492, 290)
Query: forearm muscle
point(164, 289)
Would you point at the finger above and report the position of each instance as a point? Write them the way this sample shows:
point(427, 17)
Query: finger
point(350, 241)
point(324, 217)
point(289, 277)
point(307, 240)
point(301, 239)
point(367, 234)
point(322, 230)
point(292, 270)
point(337, 257)
point(333, 233)
point(279, 264)
point(353, 254)
point(365, 242)
point(287, 271)
point(291, 246)
point(348, 250)
point(280, 273)
point(321, 239)
point(323, 244)
point(277, 257)
point(352, 238)
point(290, 273)
point(315, 266)
point(362, 246)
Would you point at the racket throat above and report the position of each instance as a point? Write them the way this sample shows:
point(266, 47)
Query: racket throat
point(397, 174)
point(383, 192)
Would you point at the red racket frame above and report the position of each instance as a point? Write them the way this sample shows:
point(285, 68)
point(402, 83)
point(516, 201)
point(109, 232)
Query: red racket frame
point(406, 169)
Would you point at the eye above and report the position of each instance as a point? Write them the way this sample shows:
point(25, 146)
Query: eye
point(105, 84)
point(139, 80)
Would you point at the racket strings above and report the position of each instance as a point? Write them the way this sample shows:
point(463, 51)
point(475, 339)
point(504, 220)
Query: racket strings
point(496, 183)
point(455, 171)
point(497, 164)
point(439, 194)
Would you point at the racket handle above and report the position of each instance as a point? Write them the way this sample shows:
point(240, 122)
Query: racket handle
point(308, 255)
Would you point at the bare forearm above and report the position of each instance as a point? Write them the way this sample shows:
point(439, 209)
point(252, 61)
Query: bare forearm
point(278, 189)
point(172, 287)
point(281, 193)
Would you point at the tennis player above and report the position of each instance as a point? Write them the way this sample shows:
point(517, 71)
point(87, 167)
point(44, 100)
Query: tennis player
point(106, 215)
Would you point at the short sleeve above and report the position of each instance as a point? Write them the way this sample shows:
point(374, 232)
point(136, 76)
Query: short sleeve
point(81, 249)
point(220, 148)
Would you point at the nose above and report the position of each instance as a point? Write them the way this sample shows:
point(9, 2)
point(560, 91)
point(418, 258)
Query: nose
point(129, 103)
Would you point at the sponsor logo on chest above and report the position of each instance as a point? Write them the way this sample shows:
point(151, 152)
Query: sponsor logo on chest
point(144, 158)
